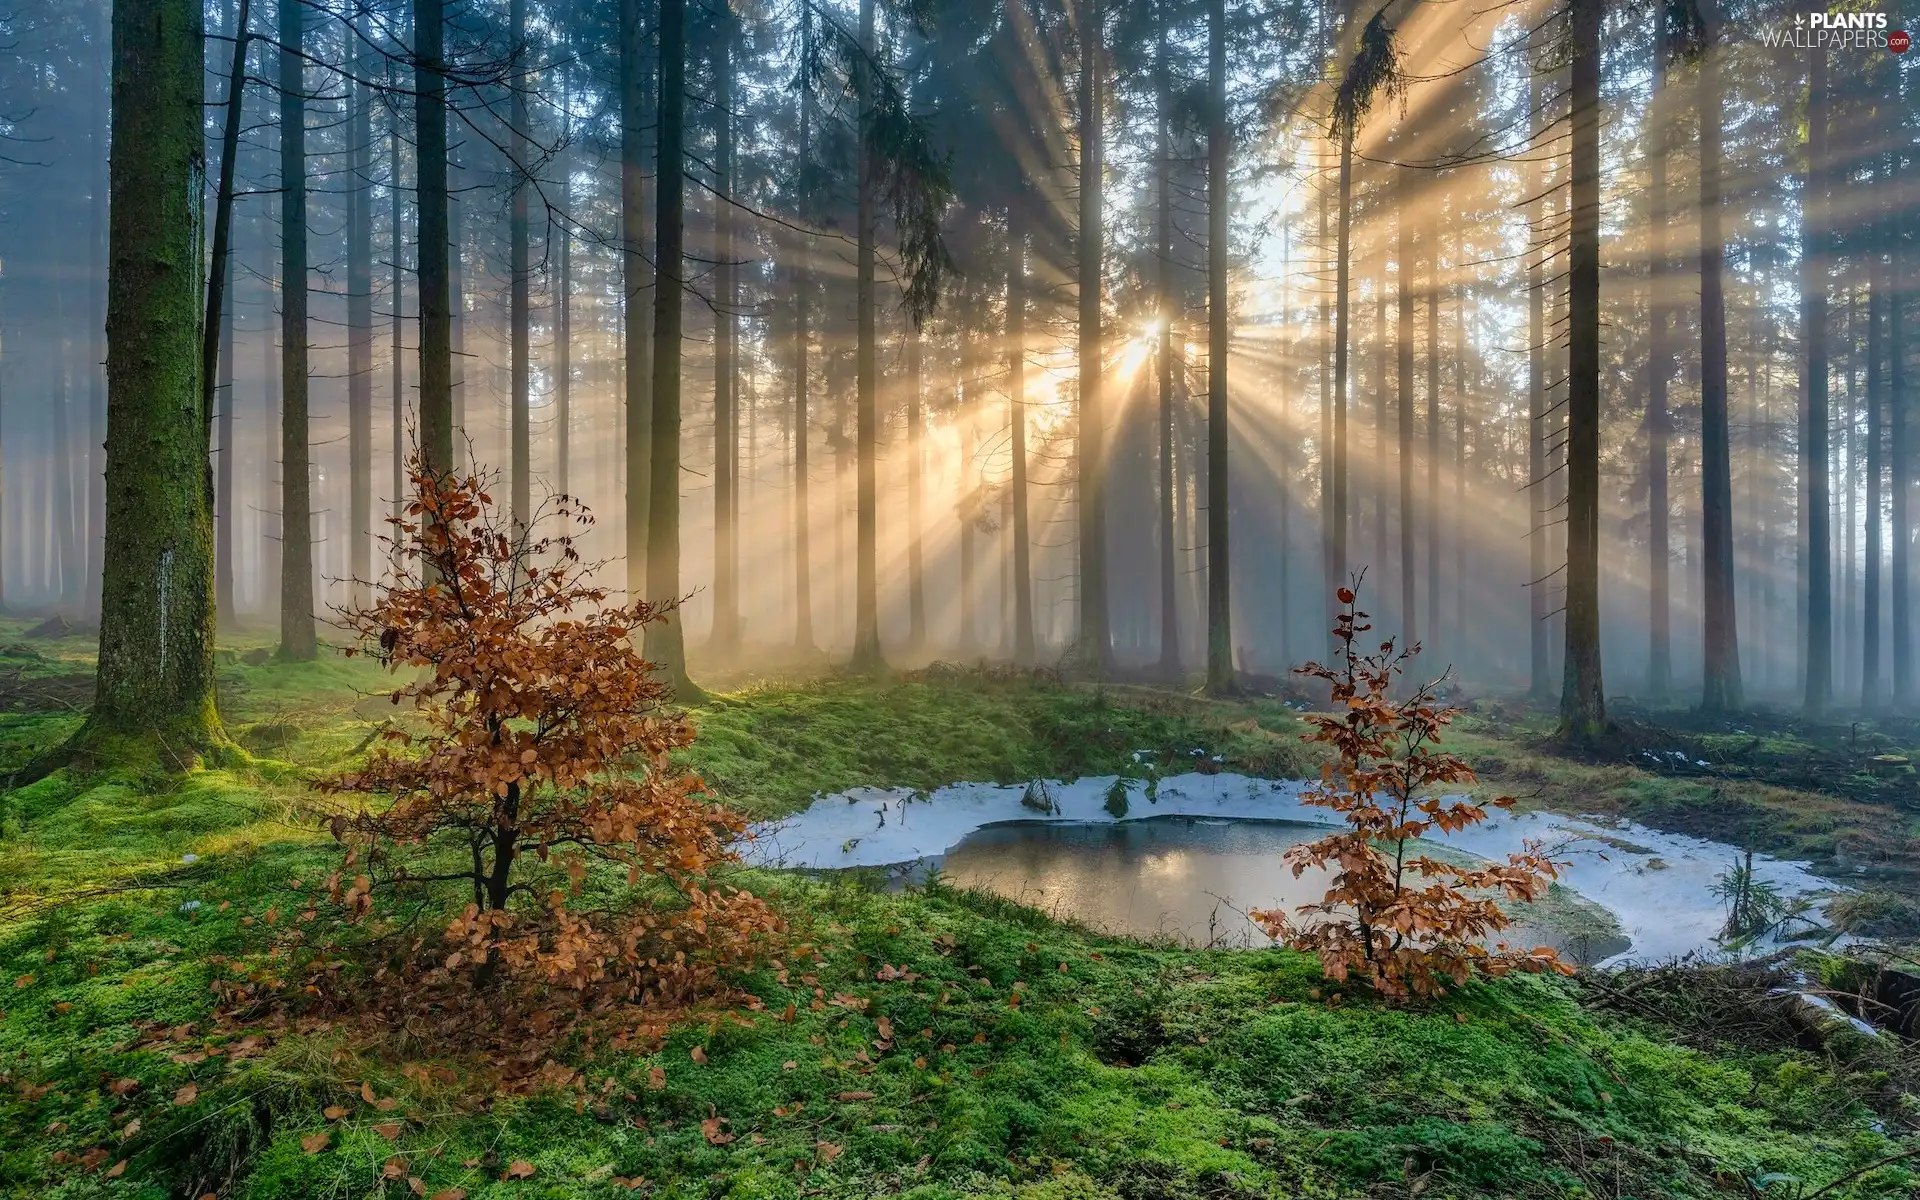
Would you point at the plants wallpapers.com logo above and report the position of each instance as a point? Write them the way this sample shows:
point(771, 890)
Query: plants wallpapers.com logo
point(1839, 32)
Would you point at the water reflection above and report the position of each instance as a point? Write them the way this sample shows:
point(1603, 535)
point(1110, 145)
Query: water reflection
point(1192, 880)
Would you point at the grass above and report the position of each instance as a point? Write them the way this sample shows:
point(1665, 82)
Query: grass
point(1122, 1072)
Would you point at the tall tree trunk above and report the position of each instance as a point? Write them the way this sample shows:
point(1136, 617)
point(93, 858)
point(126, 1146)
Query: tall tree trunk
point(1337, 523)
point(1433, 524)
point(1583, 711)
point(520, 272)
point(563, 300)
point(435, 299)
point(636, 279)
point(1169, 665)
point(1023, 647)
point(1722, 690)
point(1096, 644)
point(802, 294)
point(726, 418)
point(397, 295)
point(297, 640)
point(665, 640)
point(1817, 549)
point(1659, 371)
point(1540, 686)
point(1219, 571)
point(1403, 371)
point(916, 463)
point(1900, 460)
point(866, 621)
point(1871, 681)
point(218, 319)
point(155, 674)
point(359, 321)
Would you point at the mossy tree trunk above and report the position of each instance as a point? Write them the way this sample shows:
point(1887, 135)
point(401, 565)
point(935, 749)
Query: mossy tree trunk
point(155, 675)
point(1583, 712)
point(297, 634)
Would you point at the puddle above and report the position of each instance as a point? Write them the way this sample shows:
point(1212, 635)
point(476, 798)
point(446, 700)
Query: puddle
point(1062, 847)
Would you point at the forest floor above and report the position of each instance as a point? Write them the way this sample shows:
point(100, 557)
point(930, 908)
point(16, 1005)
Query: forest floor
point(973, 1047)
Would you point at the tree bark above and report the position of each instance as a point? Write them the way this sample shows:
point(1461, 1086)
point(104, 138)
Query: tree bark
point(1540, 686)
point(1219, 571)
point(520, 273)
point(1583, 710)
point(726, 417)
point(297, 635)
point(802, 292)
point(1722, 691)
point(1403, 371)
point(1096, 644)
point(1817, 548)
point(1169, 666)
point(1023, 642)
point(665, 640)
point(636, 279)
point(1872, 693)
point(219, 320)
point(435, 298)
point(155, 677)
point(1659, 421)
point(359, 321)
point(1900, 461)
point(866, 621)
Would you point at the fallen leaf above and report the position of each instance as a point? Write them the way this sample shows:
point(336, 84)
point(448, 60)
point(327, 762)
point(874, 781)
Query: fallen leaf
point(416, 1185)
point(25, 981)
point(132, 1128)
point(187, 1094)
point(520, 1168)
point(117, 1170)
point(389, 1130)
point(711, 1129)
point(314, 1143)
point(656, 1078)
point(828, 1151)
point(333, 1112)
point(788, 1065)
point(853, 1097)
point(699, 1055)
point(393, 1168)
point(366, 1092)
point(122, 1087)
point(451, 1194)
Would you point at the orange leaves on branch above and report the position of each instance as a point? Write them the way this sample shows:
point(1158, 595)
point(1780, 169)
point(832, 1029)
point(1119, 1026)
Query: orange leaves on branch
point(1408, 925)
point(545, 749)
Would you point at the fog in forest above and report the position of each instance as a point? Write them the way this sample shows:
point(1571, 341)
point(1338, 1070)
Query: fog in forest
point(1334, 265)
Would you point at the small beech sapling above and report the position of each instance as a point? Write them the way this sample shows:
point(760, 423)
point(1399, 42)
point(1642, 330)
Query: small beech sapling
point(1408, 925)
point(545, 750)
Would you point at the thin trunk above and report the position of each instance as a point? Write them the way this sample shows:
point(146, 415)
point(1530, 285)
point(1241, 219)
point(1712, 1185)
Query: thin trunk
point(665, 641)
point(1659, 372)
point(434, 297)
point(1817, 550)
point(1403, 370)
point(1433, 522)
point(397, 294)
point(1169, 665)
point(636, 279)
point(359, 323)
point(916, 453)
point(563, 301)
point(520, 279)
point(1219, 571)
point(216, 351)
point(802, 288)
point(1540, 686)
point(866, 621)
point(155, 675)
point(1342, 331)
point(1095, 639)
point(725, 635)
point(1722, 691)
point(1023, 647)
point(1871, 680)
point(1583, 712)
point(297, 634)
point(1900, 463)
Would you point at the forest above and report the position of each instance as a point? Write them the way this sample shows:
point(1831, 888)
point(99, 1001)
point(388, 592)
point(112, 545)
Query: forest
point(1048, 599)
